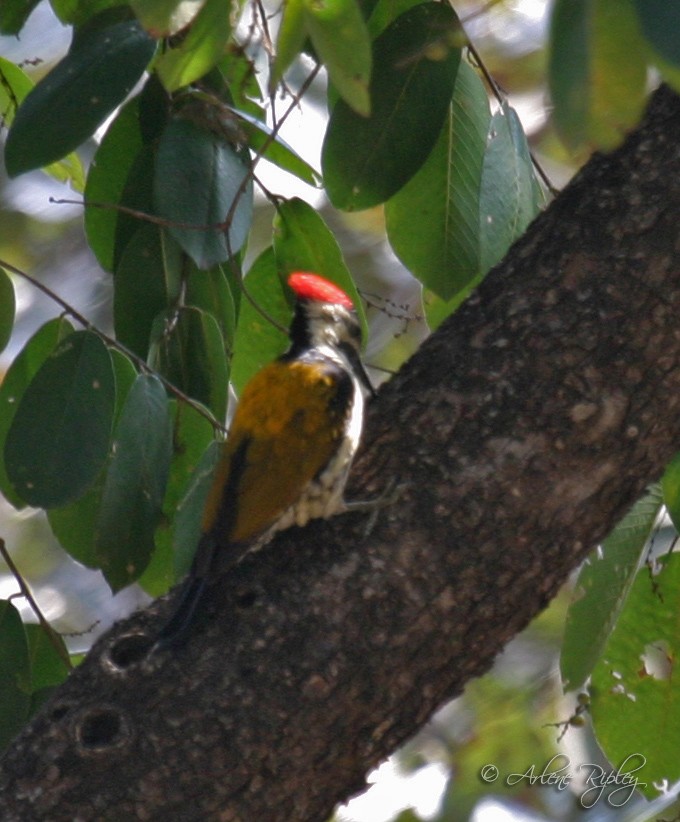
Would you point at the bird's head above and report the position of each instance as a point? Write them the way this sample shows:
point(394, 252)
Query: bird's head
point(324, 314)
point(325, 317)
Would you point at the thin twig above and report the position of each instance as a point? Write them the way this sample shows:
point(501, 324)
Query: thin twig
point(501, 99)
point(113, 343)
point(52, 635)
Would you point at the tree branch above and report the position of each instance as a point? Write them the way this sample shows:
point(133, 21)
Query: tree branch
point(524, 428)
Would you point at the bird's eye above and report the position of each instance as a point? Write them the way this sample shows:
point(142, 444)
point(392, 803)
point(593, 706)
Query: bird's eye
point(354, 331)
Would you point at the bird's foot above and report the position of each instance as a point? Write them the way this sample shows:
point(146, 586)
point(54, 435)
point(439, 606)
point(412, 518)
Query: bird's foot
point(389, 496)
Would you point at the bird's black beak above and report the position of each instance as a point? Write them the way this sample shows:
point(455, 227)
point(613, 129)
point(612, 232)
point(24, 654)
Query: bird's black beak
point(358, 368)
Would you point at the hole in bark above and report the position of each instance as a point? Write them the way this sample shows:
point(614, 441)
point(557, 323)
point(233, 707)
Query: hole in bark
point(129, 649)
point(246, 599)
point(100, 729)
point(58, 712)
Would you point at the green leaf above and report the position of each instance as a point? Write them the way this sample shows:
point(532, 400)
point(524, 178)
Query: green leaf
point(190, 510)
point(192, 434)
point(289, 41)
point(18, 377)
point(258, 341)
point(239, 76)
point(340, 37)
point(385, 11)
point(670, 486)
point(146, 279)
point(77, 12)
point(437, 310)
point(165, 17)
point(59, 438)
point(202, 183)
point(191, 353)
point(303, 242)
point(74, 525)
point(509, 196)
point(7, 308)
point(597, 71)
point(135, 484)
point(660, 23)
point(14, 13)
point(210, 291)
point(602, 590)
point(200, 50)
point(14, 673)
point(433, 221)
point(68, 105)
point(113, 161)
point(635, 693)
point(47, 666)
point(275, 150)
point(121, 174)
point(14, 86)
point(366, 160)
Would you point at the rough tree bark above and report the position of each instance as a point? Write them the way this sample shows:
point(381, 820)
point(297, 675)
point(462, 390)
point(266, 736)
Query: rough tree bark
point(524, 428)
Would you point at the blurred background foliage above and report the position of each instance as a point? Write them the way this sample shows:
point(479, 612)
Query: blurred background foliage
point(577, 72)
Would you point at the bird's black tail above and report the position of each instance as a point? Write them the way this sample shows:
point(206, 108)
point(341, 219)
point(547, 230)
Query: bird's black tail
point(175, 631)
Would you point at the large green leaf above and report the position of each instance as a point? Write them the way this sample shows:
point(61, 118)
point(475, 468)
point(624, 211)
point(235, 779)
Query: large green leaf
point(190, 352)
point(77, 12)
point(366, 160)
point(106, 180)
point(121, 174)
point(200, 50)
point(14, 86)
point(47, 664)
point(14, 13)
point(189, 514)
point(14, 673)
point(59, 437)
point(602, 590)
point(660, 23)
point(166, 17)
point(341, 40)
point(597, 71)
point(146, 279)
point(7, 308)
point(18, 377)
point(275, 149)
point(192, 434)
point(385, 11)
point(211, 292)
point(290, 39)
point(303, 242)
point(258, 341)
point(239, 75)
point(68, 105)
point(433, 221)
point(135, 483)
point(635, 692)
point(670, 486)
point(74, 525)
point(202, 186)
point(510, 195)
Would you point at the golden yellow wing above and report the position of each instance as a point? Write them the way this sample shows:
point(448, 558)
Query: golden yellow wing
point(286, 428)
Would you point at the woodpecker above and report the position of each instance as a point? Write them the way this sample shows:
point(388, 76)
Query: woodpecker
point(291, 441)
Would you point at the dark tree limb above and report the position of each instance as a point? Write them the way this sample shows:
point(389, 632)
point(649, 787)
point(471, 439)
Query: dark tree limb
point(524, 428)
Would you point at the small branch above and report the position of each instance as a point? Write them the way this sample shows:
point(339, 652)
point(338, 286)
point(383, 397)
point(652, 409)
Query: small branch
point(52, 635)
point(501, 98)
point(113, 343)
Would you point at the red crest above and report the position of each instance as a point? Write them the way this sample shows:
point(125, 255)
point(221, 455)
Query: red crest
point(309, 286)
